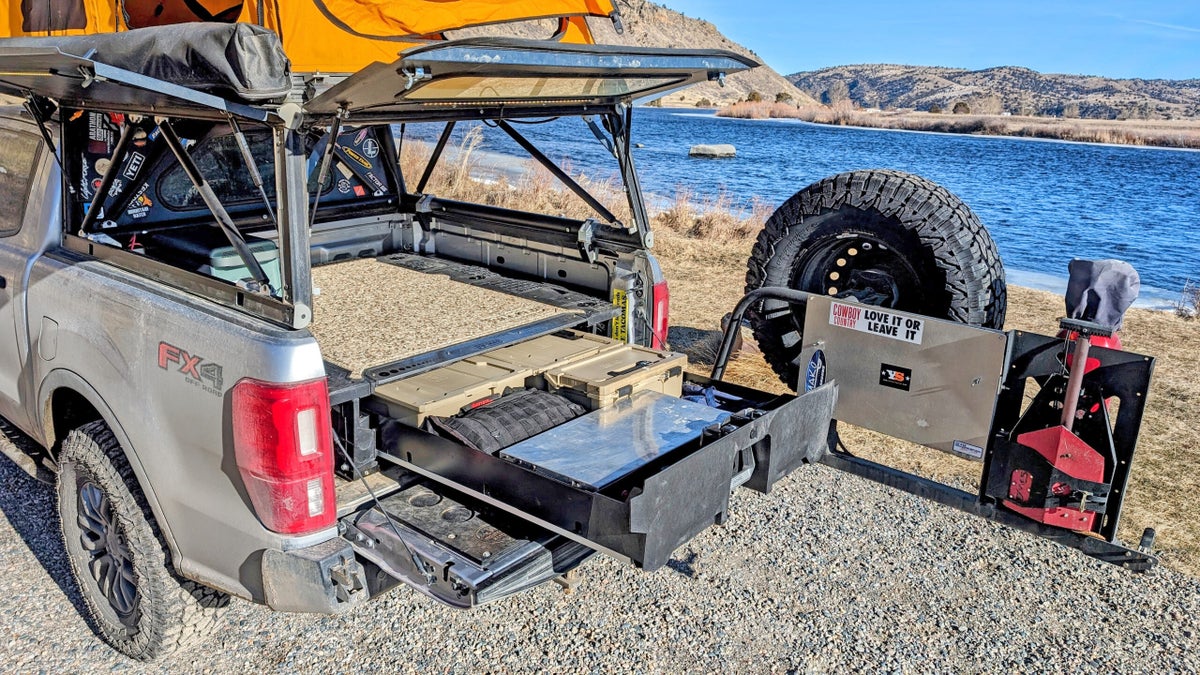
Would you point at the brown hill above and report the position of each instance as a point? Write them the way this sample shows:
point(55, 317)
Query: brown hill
point(1003, 89)
point(651, 25)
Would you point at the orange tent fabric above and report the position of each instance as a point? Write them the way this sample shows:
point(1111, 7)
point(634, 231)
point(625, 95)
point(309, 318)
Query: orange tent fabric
point(331, 36)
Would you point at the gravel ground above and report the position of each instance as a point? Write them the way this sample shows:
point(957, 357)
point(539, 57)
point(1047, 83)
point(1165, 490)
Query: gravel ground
point(828, 572)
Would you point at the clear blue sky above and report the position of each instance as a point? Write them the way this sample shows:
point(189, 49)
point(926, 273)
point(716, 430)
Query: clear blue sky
point(1148, 38)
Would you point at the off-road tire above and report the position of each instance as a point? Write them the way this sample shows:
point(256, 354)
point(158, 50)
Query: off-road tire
point(168, 613)
point(941, 260)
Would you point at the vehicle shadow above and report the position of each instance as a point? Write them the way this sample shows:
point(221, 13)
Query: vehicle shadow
point(30, 507)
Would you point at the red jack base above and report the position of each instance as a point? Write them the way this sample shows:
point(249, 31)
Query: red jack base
point(1068, 453)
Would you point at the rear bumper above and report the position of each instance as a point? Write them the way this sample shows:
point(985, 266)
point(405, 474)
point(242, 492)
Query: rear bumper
point(323, 579)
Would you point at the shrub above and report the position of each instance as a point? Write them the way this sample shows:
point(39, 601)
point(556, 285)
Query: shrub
point(935, 108)
point(961, 108)
point(704, 103)
point(754, 97)
point(783, 97)
point(759, 111)
point(712, 218)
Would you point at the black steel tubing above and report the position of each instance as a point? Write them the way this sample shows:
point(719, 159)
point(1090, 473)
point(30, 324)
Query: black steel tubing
point(214, 205)
point(558, 173)
point(435, 156)
point(735, 321)
point(106, 181)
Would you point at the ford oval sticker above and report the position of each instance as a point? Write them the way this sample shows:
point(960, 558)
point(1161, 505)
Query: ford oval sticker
point(815, 376)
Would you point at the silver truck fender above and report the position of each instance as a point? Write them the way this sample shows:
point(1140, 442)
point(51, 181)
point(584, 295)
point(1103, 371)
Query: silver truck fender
point(62, 378)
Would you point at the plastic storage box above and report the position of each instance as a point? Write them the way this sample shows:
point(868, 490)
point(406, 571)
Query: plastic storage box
point(615, 372)
point(448, 390)
point(224, 263)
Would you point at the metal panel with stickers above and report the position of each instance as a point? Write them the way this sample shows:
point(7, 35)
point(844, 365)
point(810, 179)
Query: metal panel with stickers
point(924, 380)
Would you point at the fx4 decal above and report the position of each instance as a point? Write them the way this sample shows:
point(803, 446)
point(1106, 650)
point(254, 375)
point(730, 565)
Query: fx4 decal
point(206, 375)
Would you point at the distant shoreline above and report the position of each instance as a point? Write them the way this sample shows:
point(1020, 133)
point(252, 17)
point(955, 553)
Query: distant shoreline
point(1172, 134)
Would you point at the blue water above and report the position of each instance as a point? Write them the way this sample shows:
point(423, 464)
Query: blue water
point(1044, 202)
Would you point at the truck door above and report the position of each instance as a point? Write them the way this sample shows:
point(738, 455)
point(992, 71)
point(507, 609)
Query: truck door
point(19, 152)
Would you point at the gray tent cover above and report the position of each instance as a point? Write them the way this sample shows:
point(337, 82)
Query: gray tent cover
point(239, 61)
point(1101, 290)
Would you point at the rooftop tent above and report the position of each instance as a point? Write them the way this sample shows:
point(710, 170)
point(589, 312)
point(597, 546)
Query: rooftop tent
point(146, 13)
point(343, 36)
point(331, 36)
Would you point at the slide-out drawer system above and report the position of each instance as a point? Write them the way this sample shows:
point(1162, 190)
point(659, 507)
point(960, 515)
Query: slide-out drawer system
point(663, 475)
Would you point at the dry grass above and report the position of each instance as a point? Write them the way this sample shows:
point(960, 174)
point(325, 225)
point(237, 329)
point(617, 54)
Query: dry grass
point(761, 110)
point(1160, 133)
point(703, 250)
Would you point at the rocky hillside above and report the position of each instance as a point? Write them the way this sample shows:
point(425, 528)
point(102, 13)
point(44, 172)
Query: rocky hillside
point(650, 25)
point(1003, 89)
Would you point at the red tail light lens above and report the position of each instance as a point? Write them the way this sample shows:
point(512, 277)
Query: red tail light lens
point(282, 440)
point(662, 315)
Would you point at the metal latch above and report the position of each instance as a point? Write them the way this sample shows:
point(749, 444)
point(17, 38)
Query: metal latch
point(586, 239)
point(412, 77)
point(348, 579)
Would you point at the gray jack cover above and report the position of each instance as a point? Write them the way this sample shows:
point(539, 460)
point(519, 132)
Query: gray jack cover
point(238, 61)
point(1101, 290)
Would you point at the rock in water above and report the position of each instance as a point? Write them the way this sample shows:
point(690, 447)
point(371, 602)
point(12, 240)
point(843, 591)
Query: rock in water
point(719, 150)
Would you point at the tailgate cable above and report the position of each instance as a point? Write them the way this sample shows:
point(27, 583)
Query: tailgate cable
point(419, 564)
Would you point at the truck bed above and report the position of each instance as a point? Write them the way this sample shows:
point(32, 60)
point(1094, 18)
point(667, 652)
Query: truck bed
point(370, 313)
point(393, 316)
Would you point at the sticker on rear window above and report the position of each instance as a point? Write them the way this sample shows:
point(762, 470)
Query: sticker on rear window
point(877, 321)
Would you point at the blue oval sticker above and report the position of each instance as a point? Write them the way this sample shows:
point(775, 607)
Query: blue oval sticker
point(815, 376)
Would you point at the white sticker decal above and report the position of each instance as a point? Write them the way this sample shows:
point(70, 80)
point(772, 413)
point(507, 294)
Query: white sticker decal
point(964, 448)
point(877, 322)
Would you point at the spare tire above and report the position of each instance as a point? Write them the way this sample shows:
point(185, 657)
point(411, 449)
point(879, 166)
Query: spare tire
point(880, 237)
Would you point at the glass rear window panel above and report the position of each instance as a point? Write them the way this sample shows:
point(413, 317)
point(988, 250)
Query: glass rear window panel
point(473, 88)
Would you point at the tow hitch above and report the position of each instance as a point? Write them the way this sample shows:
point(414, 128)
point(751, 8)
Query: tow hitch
point(1033, 409)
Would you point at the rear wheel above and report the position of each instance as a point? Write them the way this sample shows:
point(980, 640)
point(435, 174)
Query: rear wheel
point(882, 238)
point(137, 603)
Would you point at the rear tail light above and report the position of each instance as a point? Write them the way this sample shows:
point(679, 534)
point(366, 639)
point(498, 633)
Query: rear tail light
point(661, 299)
point(282, 441)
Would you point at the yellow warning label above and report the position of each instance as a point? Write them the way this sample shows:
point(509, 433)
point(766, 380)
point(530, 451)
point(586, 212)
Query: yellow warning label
point(620, 323)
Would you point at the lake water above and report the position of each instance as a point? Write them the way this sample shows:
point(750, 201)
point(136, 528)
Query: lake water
point(1044, 202)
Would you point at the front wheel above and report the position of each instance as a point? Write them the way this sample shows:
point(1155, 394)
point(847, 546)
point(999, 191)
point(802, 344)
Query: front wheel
point(137, 603)
point(879, 237)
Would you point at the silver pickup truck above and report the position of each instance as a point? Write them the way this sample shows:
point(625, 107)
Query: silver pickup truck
point(264, 363)
point(270, 348)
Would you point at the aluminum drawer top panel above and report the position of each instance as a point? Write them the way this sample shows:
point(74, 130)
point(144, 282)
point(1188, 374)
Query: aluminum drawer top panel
point(605, 445)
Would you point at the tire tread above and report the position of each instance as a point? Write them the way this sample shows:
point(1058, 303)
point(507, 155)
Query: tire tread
point(962, 247)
